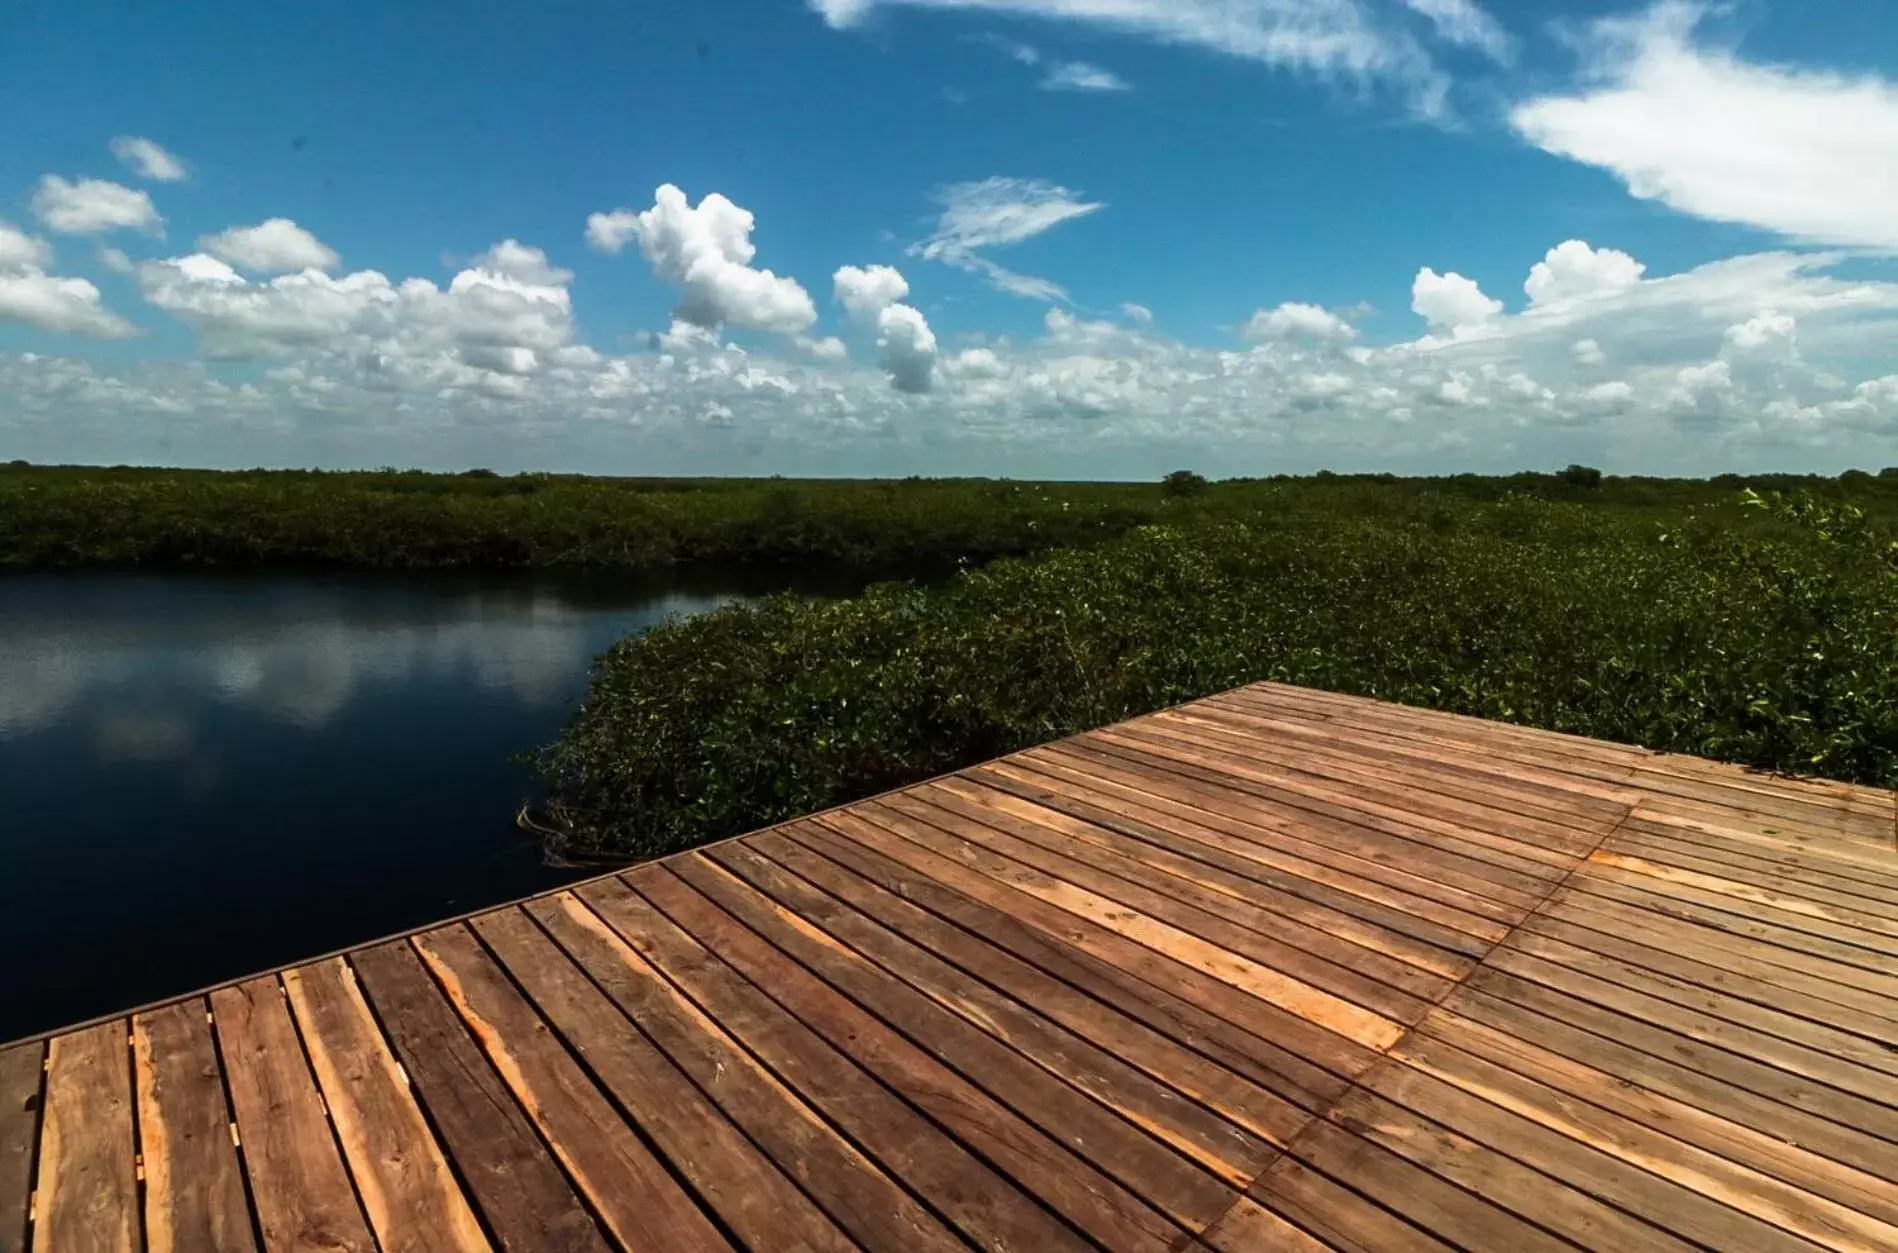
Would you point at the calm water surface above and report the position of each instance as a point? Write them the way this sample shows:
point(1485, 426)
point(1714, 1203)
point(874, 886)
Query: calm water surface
point(202, 776)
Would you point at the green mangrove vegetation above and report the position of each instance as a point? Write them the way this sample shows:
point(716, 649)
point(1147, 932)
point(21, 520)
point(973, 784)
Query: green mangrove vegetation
point(1753, 627)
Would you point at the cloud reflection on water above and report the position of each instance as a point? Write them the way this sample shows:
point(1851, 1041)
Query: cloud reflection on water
point(294, 654)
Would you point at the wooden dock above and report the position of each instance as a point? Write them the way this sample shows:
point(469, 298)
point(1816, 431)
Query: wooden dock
point(1276, 970)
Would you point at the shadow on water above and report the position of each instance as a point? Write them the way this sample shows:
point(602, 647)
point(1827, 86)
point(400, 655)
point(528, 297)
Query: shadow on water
point(202, 775)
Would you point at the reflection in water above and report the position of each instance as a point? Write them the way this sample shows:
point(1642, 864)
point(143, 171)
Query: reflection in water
point(202, 776)
point(294, 654)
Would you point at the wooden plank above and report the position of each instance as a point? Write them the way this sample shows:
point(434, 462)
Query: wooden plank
point(1797, 850)
point(194, 1184)
point(402, 1179)
point(1104, 862)
point(1219, 1145)
point(850, 1190)
point(1132, 1153)
point(1295, 1085)
point(1445, 938)
point(1743, 1025)
point(1356, 802)
point(1795, 1061)
point(1359, 855)
point(1533, 780)
point(1707, 1079)
point(1151, 919)
point(88, 1183)
point(1774, 1180)
point(1248, 1227)
point(298, 1183)
point(1846, 926)
point(1368, 1176)
point(1771, 993)
point(1781, 858)
point(1342, 1218)
point(1288, 1042)
point(1528, 878)
point(1862, 991)
point(1478, 1156)
point(636, 1197)
point(1494, 802)
point(1240, 1101)
point(1096, 1172)
point(1580, 1164)
point(1843, 963)
point(527, 1202)
point(1321, 919)
point(1737, 1069)
point(1850, 902)
point(1716, 1189)
point(20, 1070)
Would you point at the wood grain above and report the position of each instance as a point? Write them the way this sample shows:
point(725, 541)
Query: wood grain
point(194, 1182)
point(20, 1068)
point(298, 1182)
point(88, 1181)
point(411, 1196)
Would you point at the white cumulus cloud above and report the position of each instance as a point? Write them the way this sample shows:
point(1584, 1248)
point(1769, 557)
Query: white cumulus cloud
point(92, 206)
point(1450, 301)
point(862, 291)
point(53, 303)
point(1293, 319)
point(707, 251)
point(19, 249)
point(270, 247)
point(906, 347)
point(28, 294)
point(147, 159)
point(1810, 154)
point(1574, 271)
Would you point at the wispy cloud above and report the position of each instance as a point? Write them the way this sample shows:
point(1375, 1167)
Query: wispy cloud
point(1080, 76)
point(1463, 22)
point(997, 213)
point(1360, 41)
point(147, 159)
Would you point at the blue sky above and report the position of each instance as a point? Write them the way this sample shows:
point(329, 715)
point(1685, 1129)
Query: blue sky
point(1068, 238)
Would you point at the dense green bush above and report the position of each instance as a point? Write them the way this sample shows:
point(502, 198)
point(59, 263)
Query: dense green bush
point(1764, 631)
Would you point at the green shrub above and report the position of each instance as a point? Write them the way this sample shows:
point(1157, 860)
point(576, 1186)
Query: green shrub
point(1759, 634)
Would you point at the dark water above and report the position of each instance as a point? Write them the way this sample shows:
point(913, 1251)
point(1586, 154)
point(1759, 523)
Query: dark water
point(202, 776)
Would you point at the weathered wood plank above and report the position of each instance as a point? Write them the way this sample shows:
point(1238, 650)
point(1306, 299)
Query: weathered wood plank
point(1731, 1156)
point(194, 1183)
point(88, 1182)
point(20, 1070)
point(1040, 1159)
point(1219, 1146)
point(401, 1176)
point(298, 1181)
point(1465, 1147)
point(1323, 934)
point(637, 1198)
point(1238, 1100)
point(1412, 927)
point(518, 1187)
point(753, 1185)
point(1330, 1172)
point(1359, 855)
point(1296, 1086)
